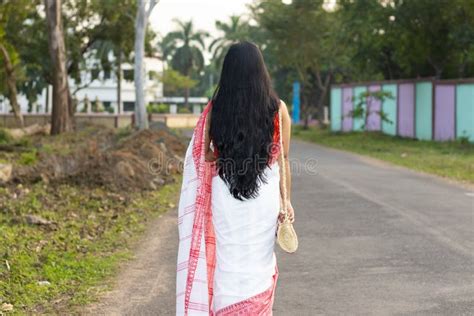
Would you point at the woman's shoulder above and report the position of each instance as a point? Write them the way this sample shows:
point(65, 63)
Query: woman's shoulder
point(282, 107)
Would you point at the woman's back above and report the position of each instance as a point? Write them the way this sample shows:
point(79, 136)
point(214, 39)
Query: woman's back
point(229, 208)
point(242, 127)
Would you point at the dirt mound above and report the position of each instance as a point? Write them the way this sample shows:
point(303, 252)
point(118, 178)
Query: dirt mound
point(118, 160)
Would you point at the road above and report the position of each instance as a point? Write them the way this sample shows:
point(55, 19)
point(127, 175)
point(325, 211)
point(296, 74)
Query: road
point(375, 239)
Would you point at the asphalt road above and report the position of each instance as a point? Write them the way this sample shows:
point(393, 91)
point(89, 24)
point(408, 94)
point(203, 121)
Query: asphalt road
point(374, 240)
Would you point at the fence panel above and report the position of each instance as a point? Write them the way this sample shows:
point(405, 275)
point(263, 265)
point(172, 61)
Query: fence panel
point(444, 112)
point(424, 111)
point(336, 107)
point(346, 109)
point(465, 111)
point(373, 107)
point(406, 110)
point(389, 107)
point(359, 122)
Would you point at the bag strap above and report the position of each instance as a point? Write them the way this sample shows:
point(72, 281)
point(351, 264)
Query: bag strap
point(283, 209)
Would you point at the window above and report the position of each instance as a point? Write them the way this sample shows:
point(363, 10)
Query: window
point(106, 74)
point(129, 106)
point(128, 74)
point(108, 106)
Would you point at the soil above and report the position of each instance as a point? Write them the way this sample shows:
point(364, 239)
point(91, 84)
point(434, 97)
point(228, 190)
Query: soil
point(99, 156)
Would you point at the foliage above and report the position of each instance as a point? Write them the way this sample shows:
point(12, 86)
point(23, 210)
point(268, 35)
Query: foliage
point(364, 106)
point(187, 46)
point(236, 30)
point(13, 14)
point(453, 159)
point(158, 108)
point(184, 110)
point(173, 81)
point(97, 32)
point(303, 37)
point(358, 40)
point(408, 39)
point(114, 40)
point(28, 158)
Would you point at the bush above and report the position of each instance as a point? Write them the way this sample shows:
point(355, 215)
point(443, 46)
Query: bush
point(5, 138)
point(158, 108)
point(183, 110)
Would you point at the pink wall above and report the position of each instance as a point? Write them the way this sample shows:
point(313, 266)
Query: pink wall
point(406, 110)
point(373, 106)
point(444, 112)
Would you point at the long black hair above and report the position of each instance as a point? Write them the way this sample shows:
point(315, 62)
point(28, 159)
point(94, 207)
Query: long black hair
point(244, 105)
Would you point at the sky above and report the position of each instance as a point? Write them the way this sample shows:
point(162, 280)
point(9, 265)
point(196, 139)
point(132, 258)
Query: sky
point(204, 13)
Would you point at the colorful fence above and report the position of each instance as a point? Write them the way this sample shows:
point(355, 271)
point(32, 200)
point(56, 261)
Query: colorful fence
point(423, 109)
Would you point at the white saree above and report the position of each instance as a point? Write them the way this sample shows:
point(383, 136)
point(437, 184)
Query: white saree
point(226, 261)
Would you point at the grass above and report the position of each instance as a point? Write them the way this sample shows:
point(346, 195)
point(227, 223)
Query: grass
point(454, 159)
point(92, 231)
point(28, 158)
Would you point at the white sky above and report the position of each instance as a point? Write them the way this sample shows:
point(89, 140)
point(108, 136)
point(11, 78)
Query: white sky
point(204, 13)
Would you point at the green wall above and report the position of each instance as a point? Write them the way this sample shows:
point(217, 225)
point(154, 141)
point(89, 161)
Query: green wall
point(465, 111)
point(336, 107)
point(359, 122)
point(424, 111)
point(389, 107)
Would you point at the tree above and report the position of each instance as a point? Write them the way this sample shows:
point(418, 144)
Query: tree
point(408, 39)
point(236, 30)
point(61, 120)
point(364, 107)
point(6, 55)
point(174, 81)
point(436, 35)
point(141, 22)
point(116, 39)
point(187, 52)
point(165, 50)
point(302, 36)
point(12, 14)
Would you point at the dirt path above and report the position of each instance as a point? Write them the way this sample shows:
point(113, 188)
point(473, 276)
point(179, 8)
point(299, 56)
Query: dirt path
point(146, 284)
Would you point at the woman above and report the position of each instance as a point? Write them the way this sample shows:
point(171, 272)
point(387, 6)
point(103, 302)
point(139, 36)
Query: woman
point(230, 196)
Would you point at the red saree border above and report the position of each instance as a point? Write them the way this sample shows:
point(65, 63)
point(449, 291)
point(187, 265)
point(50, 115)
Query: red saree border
point(257, 305)
point(203, 216)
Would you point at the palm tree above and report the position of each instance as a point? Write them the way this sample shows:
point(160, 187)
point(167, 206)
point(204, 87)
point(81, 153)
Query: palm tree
point(166, 49)
point(188, 45)
point(235, 30)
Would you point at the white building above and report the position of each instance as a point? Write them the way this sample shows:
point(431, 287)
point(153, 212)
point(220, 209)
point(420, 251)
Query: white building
point(103, 89)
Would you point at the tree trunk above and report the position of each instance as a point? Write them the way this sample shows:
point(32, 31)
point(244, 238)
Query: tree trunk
point(119, 81)
point(186, 97)
point(141, 22)
point(304, 107)
point(321, 99)
point(46, 106)
point(186, 90)
point(61, 111)
point(71, 107)
point(11, 84)
point(323, 88)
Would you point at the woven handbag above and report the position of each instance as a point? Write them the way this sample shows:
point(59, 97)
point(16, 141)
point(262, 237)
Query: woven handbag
point(286, 235)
